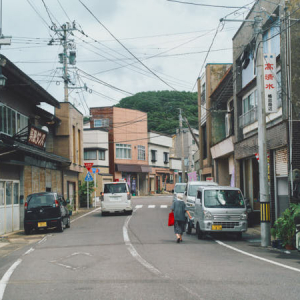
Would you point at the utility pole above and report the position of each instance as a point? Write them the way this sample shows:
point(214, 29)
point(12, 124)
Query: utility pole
point(65, 63)
point(262, 140)
point(68, 56)
point(182, 149)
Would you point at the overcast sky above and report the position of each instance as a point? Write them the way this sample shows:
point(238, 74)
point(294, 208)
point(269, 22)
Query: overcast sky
point(166, 42)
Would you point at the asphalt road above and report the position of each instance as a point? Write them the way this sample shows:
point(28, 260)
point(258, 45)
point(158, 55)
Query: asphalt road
point(136, 257)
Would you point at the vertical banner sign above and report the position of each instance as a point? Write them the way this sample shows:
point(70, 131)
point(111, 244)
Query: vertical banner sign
point(270, 83)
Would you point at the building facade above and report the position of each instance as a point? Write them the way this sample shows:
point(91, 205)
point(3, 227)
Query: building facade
point(281, 124)
point(206, 84)
point(128, 145)
point(96, 151)
point(161, 177)
point(28, 160)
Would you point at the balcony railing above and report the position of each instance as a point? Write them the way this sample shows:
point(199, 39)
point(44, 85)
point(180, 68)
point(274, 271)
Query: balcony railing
point(248, 118)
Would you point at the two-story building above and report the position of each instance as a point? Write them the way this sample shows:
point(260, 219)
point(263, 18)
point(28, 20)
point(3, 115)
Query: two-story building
point(161, 177)
point(30, 158)
point(128, 145)
point(96, 151)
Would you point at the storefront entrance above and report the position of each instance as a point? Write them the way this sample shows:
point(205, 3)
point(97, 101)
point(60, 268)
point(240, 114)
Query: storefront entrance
point(9, 206)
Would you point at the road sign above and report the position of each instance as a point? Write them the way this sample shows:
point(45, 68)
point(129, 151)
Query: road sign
point(95, 170)
point(88, 166)
point(88, 177)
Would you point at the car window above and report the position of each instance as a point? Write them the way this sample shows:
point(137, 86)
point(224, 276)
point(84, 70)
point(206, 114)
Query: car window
point(41, 200)
point(180, 188)
point(224, 198)
point(113, 188)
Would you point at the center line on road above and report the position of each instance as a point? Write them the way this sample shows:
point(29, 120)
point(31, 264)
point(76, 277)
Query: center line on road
point(151, 206)
point(258, 257)
point(138, 206)
point(6, 276)
point(133, 252)
point(164, 206)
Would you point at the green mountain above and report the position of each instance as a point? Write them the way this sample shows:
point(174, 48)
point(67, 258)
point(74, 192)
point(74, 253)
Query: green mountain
point(162, 108)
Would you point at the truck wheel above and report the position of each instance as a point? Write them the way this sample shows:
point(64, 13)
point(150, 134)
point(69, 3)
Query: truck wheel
point(199, 232)
point(188, 227)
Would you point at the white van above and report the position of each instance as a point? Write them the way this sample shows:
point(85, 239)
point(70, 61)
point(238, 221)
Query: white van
point(179, 190)
point(116, 198)
point(189, 198)
point(220, 209)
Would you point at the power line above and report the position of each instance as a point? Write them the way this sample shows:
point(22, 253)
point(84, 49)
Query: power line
point(126, 47)
point(212, 42)
point(201, 4)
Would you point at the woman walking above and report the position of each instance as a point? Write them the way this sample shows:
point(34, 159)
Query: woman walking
point(179, 210)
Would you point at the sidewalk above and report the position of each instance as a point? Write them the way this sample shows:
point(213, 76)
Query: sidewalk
point(253, 237)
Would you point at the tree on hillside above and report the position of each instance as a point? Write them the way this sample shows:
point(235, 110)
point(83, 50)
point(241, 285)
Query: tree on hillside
point(162, 108)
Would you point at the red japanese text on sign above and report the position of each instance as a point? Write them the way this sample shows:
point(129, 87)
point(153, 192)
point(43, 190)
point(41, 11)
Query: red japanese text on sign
point(270, 85)
point(37, 137)
point(88, 166)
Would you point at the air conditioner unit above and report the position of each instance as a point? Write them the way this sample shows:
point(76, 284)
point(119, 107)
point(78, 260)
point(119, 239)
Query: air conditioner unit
point(228, 124)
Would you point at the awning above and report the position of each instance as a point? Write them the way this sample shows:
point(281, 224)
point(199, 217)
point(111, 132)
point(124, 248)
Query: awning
point(133, 168)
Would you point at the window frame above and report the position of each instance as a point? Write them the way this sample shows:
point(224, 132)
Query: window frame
point(141, 152)
point(89, 151)
point(123, 151)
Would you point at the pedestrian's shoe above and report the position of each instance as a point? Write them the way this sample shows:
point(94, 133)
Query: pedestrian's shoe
point(178, 240)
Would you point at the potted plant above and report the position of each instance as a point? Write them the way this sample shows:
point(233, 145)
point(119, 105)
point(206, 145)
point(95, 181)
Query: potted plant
point(70, 208)
point(284, 226)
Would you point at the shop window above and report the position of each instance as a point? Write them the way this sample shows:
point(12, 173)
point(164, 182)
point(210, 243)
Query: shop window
point(2, 186)
point(16, 193)
point(141, 153)
point(123, 151)
point(8, 193)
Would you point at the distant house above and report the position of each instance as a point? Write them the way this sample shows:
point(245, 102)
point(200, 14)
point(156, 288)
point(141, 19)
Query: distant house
point(96, 151)
point(128, 144)
point(161, 177)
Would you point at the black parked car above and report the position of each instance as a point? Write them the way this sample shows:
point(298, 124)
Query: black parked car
point(46, 210)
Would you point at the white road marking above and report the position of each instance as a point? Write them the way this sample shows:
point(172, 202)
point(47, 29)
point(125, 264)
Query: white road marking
point(4, 280)
point(86, 214)
point(164, 206)
point(258, 257)
point(28, 251)
point(133, 252)
point(138, 206)
point(6, 276)
point(151, 206)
